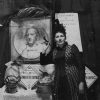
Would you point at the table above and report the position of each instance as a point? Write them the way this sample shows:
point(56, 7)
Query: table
point(24, 95)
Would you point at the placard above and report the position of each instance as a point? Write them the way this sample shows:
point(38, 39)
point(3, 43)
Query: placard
point(90, 77)
point(30, 74)
point(71, 24)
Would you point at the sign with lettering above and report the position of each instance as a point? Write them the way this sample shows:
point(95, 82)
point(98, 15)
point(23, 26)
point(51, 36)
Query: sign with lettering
point(90, 77)
point(30, 74)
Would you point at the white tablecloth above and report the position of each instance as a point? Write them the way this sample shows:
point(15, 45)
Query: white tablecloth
point(23, 95)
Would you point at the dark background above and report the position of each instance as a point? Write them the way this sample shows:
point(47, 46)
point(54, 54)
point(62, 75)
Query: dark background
point(89, 20)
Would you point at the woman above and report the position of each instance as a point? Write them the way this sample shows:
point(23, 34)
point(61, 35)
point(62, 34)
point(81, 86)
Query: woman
point(69, 72)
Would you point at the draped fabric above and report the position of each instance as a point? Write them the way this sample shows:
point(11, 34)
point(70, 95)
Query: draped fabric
point(64, 6)
point(4, 52)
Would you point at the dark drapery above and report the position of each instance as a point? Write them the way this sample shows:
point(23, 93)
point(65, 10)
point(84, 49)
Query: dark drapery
point(4, 50)
point(72, 5)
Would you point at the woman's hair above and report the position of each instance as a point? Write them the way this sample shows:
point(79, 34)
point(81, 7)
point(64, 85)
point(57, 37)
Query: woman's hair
point(59, 28)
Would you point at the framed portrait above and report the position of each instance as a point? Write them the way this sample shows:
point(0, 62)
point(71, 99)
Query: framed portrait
point(29, 37)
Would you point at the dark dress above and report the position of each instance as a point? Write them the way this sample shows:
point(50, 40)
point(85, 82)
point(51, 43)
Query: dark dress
point(69, 71)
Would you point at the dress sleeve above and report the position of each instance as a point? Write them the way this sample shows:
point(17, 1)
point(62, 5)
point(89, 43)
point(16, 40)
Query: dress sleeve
point(46, 59)
point(79, 61)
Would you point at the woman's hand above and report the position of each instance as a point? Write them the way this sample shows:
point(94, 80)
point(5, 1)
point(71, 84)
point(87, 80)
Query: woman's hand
point(46, 49)
point(81, 87)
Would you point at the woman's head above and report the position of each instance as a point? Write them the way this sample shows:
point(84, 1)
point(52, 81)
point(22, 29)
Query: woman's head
point(60, 35)
point(59, 38)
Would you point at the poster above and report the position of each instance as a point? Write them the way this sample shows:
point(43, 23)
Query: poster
point(71, 24)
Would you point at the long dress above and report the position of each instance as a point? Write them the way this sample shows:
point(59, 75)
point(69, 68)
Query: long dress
point(69, 72)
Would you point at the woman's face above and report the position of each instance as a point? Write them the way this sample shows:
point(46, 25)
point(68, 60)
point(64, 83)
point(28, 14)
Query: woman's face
point(60, 38)
point(31, 36)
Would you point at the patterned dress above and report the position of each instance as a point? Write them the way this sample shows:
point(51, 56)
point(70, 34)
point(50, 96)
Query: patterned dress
point(69, 72)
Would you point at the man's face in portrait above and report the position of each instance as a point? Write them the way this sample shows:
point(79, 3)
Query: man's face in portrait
point(31, 36)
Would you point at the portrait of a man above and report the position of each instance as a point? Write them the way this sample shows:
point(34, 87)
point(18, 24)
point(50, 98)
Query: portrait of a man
point(35, 43)
point(30, 39)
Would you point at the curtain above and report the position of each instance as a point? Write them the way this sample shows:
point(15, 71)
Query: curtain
point(4, 51)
